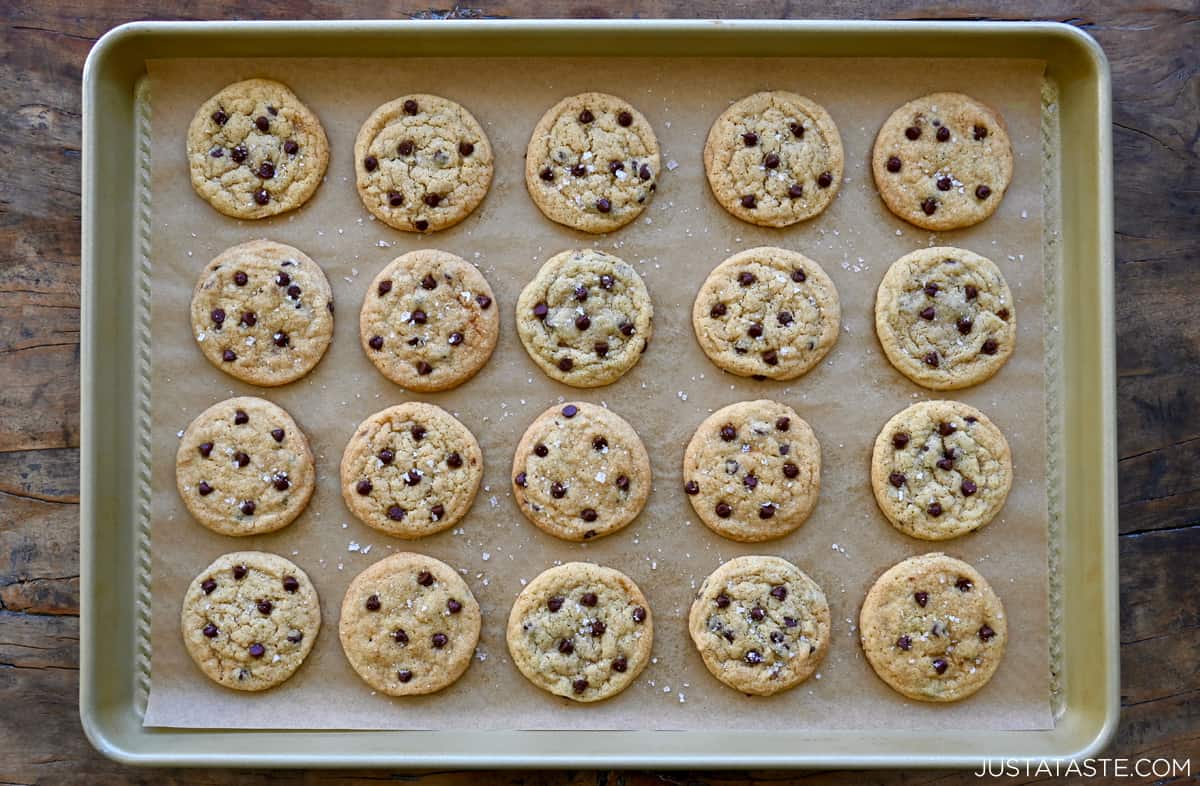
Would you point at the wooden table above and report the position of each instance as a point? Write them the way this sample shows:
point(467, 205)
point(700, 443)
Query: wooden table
point(1156, 115)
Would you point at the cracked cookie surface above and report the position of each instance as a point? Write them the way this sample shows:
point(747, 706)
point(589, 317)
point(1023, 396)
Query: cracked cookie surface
point(933, 629)
point(752, 471)
point(254, 150)
point(585, 318)
point(409, 625)
point(580, 472)
point(250, 619)
point(411, 470)
point(263, 312)
point(761, 624)
point(244, 467)
point(422, 163)
point(945, 317)
point(429, 321)
point(943, 161)
point(940, 469)
point(774, 158)
point(592, 163)
point(767, 313)
point(581, 631)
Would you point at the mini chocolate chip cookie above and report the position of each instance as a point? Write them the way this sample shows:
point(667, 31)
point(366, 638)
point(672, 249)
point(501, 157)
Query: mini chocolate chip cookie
point(580, 472)
point(940, 469)
point(255, 150)
point(586, 318)
point(933, 629)
point(244, 467)
point(767, 313)
point(945, 318)
point(753, 471)
point(581, 631)
point(409, 625)
point(592, 163)
point(774, 159)
point(423, 163)
point(411, 470)
point(263, 312)
point(250, 619)
point(943, 161)
point(428, 321)
point(761, 624)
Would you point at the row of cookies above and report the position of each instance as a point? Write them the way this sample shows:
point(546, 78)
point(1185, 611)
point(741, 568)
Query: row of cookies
point(931, 627)
point(752, 470)
point(263, 312)
point(424, 163)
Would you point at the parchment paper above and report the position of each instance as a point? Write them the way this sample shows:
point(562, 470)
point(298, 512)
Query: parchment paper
point(682, 236)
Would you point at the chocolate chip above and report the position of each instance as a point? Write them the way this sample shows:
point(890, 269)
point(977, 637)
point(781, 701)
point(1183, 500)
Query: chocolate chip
point(257, 650)
point(241, 459)
point(603, 205)
point(418, 432)
point(404, 675)
point(437, 512)
point(239, 154)
point(395, 199)
point(589, 599)
point(943, 134)
point(779, 593)
point(771, 161)
point(969, 488)
point(566, 646)
point(266, 170)
point(1003, 314)
point(750, 481)
point(795, 190)
point(728, 634)
point(281, 339)
point(615, 166)
point(540, 309)
point(899, 440)
point(520, 479)
point(240, 278)
point(453, 606)
point(601, 348)
point(982, 192)
point(940, 665)
point(425, 578)
point(439, 640)
point(547, 174)
point(935, 509)
point(218, 316)
point(376, 342)
point(581, 293)
point(783, 423)
point(825, 179)
point(758, 614)
point(580, 685)
point(904, 642)
point(248, 507)
point(432, 199)
point(565, 364)
point(750, 139)
point(755, 330)
point(262, 123)
point(412, 477)
point(210, 631)
point(639, 614)
point(261, 196)
point(971, 292)
point(896, 479)
point(893, 164)
point(204, 488)
point(784, 449)
point(558, 490)
point(964, 325)
point(410, 107)
point(946, 428)
point(264, 607)
point(644, 173)
point(692, 488)
point(766, 510)
point(746, 278)
point(931, 359)
point(921, 598)
point(208, 586)
point(396, 513)
point(799, 276)
point(465, 149)
point(240, 571)
point(790, 622)
point(483, 301)
point(986, 633)
point(981, 133)
point(722, 601)
point(790, 470)
point(964, 584)
point(913, 132)
point(754, 657)
point(797, 130)
point(290, 147)
point(771, 357)
point(421, 224)
point(944, 183)
point(370, 162)
point(927, 313)
point(220, 118)
point(718, 310)
point(606, 281)
point(728, 432)
point(598, 628)
point(281, 482)
point(540, 450)
point(586, 116)
point(724, 510)
point(583, 322)
point(929, 206)
point(554, 604)
point(423, 368)
point(749, 201)
point(990, 347)
point(588, 515)
point(579, 170)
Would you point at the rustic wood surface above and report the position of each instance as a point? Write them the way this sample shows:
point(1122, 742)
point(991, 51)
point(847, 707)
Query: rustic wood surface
point(1153, 48)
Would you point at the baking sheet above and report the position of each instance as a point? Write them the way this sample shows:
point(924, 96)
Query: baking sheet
point(843, 546)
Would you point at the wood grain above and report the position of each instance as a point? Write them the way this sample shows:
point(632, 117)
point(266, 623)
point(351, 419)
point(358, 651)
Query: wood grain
point(1156, 111)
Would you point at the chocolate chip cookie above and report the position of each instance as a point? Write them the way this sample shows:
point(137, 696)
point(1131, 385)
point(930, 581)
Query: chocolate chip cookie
point(580, 472)
point(761, 624)
point(586, 318)
point(592, 163)
point(428, 321)
point(422, 163)
point(581, 631)
point(767, 313)
point(250, 619)
point(409, 625)
point(263, 312)
point(411, 470)
point(753, 471)
point(943, 161)
point(940, 469)
point(774, 158)
point(244, 467)
point(945, 318)
point(255, 150)
point(933, 629)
